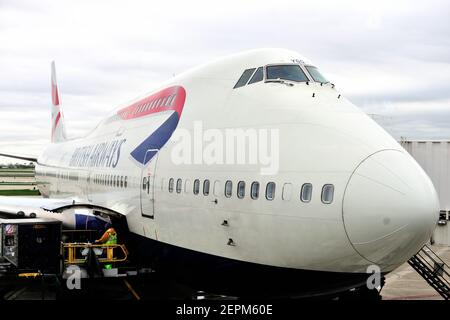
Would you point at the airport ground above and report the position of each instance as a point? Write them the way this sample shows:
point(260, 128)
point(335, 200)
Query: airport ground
point(18, 182)
point(404, 283)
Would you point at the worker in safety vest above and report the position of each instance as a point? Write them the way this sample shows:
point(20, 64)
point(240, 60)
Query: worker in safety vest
point(109, 237)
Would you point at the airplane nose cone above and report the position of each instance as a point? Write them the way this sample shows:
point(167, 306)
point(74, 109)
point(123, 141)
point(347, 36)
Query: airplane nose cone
point(390, 208)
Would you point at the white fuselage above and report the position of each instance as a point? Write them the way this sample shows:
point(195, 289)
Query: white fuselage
point(384, 206)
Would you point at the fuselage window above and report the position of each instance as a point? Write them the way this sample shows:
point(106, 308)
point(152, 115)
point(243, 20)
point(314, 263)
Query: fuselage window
point(125, 182)
point(254, 192)
point(206, 187)
point(241, 189)
point(306, 193)
point(287, 191)
point(291, 72)
point(217, 188)
point(187, 186)
point(179, 185)
point(244, 78)
point(228, 188)
point(121, 181)
point(327, 193)
point(316, 75)
point(196, 189)
point(270, 191)
point(172, 99)
point(171, 185)
point(163, 101)
point(258, 76)
point(169, 100)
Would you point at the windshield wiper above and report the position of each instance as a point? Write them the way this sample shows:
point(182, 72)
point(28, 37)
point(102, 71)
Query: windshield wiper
point(280, 81)
point(327, 82)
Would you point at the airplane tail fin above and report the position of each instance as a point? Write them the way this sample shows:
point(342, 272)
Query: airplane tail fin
point(58, 125)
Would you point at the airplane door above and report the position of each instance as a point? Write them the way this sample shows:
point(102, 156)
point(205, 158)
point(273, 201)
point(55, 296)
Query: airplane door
point(148, 184)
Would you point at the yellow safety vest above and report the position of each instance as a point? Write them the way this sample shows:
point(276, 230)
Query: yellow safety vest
point(112, 239)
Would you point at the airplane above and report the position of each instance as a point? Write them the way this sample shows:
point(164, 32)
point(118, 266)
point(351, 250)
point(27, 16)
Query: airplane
point(345, 196)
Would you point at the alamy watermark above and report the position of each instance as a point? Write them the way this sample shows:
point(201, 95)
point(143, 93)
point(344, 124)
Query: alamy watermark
point(74, 277)
point(374, 280)
point(229, 146)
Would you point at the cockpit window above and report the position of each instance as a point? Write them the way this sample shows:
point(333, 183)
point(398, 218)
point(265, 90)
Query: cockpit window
point(258, 76)
point(289, 72)
point(316, 75)
point(244, 78)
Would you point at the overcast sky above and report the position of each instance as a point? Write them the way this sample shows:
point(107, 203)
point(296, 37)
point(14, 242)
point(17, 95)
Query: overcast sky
point(391, 58)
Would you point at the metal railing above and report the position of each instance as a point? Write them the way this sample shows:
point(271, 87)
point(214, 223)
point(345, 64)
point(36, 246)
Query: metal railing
point(77, 253)
point(433, 269)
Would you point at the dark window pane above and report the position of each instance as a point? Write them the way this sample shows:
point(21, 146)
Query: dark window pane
point(171, 185)
point(327, 193)
point(315, 74)
point(228, 188)
point(241, 189)
point(206, 187)
point(286, 72)
point(244, 78)
point(306, 193)
point(255, 190)
point(258, 76)
point(179, 183)
point(196, 186)
point(270, 191)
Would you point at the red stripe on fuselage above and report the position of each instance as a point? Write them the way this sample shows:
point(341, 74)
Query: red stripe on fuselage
point(171, 98)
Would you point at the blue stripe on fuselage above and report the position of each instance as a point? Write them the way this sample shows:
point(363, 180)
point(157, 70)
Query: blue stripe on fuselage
point(156, 140)
point(85, 222)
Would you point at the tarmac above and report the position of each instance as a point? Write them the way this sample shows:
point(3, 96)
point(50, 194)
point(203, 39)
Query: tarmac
point(17, 183)
point(404, 283)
